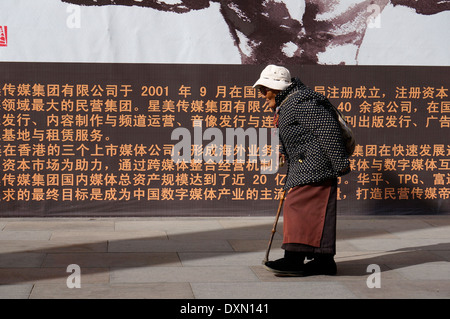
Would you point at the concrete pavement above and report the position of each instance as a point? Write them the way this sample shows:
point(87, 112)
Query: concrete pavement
point(208, 258)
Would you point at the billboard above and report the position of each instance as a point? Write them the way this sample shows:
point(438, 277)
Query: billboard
point(97, 98)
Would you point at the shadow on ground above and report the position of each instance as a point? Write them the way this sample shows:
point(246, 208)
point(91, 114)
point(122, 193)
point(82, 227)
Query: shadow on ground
point(36, 264)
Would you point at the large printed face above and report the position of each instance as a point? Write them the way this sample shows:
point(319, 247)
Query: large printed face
point(281, 32)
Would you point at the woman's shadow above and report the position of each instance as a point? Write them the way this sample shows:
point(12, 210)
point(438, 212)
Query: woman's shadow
point(358, 264)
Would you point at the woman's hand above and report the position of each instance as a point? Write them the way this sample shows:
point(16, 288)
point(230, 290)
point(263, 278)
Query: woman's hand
point(281, 160)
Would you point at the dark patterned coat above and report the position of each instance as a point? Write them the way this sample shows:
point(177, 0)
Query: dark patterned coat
point(310, 136)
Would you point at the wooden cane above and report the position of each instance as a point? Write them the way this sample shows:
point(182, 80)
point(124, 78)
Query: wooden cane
point(274, 228)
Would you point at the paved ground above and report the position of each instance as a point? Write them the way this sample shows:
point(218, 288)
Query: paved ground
point(202, 258)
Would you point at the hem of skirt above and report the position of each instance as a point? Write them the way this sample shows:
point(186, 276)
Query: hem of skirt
point(308, 249)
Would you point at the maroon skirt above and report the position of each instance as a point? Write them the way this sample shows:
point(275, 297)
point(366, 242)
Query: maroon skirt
point(309, 218)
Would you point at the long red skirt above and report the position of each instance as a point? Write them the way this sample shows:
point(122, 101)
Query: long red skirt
point(309, 218)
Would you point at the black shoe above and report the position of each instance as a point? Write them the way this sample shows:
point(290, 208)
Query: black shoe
point(291, 265)
point(284, 267)
point(320, 265)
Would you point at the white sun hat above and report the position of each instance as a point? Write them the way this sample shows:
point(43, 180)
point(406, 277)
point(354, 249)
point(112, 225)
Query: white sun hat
point(274, 77)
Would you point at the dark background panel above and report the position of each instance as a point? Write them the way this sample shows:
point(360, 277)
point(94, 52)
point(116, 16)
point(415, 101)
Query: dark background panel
point(386, 80)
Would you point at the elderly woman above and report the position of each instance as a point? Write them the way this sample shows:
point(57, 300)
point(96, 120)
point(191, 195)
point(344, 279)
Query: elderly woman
point(312, 145)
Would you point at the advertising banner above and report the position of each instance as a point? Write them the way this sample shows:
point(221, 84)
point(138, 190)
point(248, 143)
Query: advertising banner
point(146, 108)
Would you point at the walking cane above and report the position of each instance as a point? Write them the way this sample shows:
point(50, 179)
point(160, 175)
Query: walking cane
point(274, 228)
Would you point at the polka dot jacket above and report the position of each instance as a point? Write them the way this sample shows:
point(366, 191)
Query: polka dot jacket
point(310, 136)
